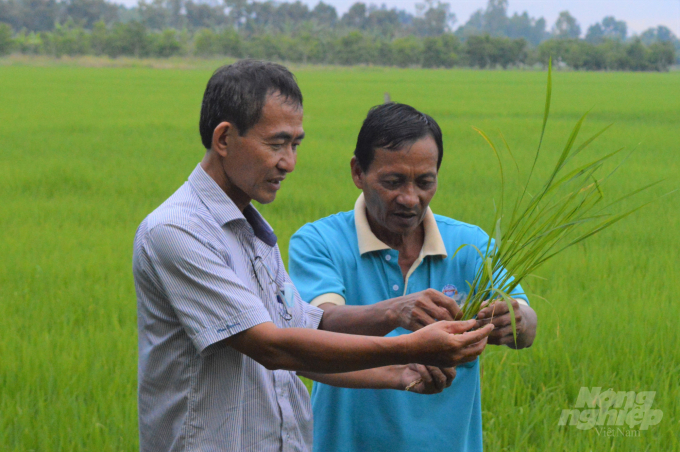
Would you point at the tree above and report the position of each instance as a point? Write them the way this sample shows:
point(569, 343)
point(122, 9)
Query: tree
point(238, 11)
point(128, 39)
point(566, 27)
point(661, 55)
point(154, 15)
point(481, 51)
point(354, 49)
point(495, 19)
point(10, 14)
point(6, 41)
point(441, 51)
point(98, 38)
point(324, 14)
point(473, 26)
point(658, 34)
point(355, 17)
point(523, 26)
point(595, 34)
point(384, 22)
point(557, 49)
point(433, 19)
point(38, 15)
point(67, 39)
point(614, 29)
point(203, 15)
point(407, 51)
point(88, 12)
point(167, 44)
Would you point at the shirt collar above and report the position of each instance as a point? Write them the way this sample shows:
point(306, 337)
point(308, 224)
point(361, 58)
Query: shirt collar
point(224, 210)
point(433, 245)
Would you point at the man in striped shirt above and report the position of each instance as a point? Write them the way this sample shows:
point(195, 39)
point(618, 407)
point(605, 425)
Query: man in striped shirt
point(222, 329)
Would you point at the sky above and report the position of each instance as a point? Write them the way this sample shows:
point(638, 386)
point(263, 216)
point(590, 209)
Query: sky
point(638, 14)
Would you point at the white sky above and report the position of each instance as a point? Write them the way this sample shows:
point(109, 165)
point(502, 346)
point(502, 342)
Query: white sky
point(638, 14)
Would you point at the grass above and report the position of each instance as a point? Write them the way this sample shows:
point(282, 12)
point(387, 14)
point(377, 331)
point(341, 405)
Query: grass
point(86, 153)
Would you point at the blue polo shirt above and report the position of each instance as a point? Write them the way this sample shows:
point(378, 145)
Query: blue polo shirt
point(339, 260)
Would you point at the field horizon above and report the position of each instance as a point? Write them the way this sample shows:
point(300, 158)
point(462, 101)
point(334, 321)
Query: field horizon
point(211, 63)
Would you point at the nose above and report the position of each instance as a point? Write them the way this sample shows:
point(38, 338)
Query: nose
point(288, 160)
point(408, 196)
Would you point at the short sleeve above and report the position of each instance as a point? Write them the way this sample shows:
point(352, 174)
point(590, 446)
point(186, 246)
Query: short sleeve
point(312, 270)
point(483, 239)
point(209, 299)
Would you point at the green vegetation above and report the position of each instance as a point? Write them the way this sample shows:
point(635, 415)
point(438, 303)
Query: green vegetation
point(294, 32)
point(87, 153)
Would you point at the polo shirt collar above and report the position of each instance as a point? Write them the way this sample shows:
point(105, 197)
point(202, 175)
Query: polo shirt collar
point(433, 245)
point(224, 210)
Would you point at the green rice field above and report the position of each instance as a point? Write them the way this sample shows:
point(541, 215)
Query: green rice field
point(87, 152)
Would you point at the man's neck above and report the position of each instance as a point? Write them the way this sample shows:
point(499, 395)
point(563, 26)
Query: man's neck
point(212, 165)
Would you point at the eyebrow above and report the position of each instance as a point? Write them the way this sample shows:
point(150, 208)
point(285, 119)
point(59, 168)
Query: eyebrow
point(286, 136)
point(401, 175)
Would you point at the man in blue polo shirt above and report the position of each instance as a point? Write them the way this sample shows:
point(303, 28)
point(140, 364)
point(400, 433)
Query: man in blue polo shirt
point(389, 248)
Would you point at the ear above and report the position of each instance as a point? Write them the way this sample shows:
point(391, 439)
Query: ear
point(223, 134)
point(357, 173)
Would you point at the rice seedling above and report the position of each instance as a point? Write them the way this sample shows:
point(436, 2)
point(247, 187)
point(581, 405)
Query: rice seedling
point(569, 207)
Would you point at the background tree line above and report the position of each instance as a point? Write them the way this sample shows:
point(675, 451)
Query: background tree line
point(365, 34)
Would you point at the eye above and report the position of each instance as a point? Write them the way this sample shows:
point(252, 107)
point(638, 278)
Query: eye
point(425, 184)
point(391, 183)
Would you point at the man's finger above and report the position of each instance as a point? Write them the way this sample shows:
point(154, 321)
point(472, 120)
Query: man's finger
point(425, 374)
point(502, 332)
point(437, 312)
point(422, 318)
point(471, 352)
point(471, 337)
point(438, 377)
point(496, 309)
point(445, 302)
point(450, 373)
point(458, 327)
point(501, 320)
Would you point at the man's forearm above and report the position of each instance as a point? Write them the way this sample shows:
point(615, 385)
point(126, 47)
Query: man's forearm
point(412, 311)
point(443, 344)
point(378, 378)
point(309, 350)
point(372, 320)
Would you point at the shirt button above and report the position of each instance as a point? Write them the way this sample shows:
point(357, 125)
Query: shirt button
point(388, 258)
point(395, 287)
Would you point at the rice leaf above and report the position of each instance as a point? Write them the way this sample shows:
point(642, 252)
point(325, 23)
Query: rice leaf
point(565, 211)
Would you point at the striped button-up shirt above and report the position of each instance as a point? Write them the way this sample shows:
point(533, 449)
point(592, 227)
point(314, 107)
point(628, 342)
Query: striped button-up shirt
point(205, 271)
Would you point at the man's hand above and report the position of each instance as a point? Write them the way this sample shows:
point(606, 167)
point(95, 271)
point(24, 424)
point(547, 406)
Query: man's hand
point(428, 379)
point(414, 311)
point(499, 314)
point(448, 344)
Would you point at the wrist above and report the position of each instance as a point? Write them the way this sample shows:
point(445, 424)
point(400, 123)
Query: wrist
point(390, 313)
point(396, 377)
point(403, 349)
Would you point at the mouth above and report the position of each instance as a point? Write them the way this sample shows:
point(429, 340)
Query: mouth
point(275, 183)
point(405, 216)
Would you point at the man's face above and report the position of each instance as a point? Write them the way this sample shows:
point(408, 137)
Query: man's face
point(257, 162)
point(399, 185)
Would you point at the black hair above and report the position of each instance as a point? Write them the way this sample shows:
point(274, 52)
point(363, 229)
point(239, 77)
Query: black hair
point(237, 93)
point(393, 126)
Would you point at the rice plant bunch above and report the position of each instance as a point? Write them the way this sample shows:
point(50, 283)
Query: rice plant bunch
point(569, 207)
